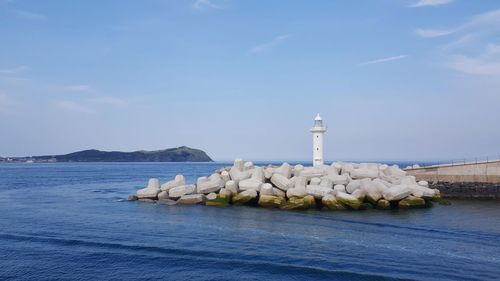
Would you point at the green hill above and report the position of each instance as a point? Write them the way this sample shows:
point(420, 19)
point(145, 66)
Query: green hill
point(179, 154)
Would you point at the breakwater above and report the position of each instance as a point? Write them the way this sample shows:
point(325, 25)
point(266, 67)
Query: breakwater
point(338, 186)
point(467, 172)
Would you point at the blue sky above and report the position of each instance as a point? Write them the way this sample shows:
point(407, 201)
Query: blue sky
point(393, 79)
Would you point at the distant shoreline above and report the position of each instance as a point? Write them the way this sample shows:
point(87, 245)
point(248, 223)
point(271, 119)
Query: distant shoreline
point(114, 162)
point(179, 154)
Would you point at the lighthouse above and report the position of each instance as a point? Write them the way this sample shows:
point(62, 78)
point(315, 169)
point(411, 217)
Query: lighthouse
point(318, 132)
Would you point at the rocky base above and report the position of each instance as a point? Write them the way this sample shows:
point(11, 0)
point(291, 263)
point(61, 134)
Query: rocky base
point(468, 190)
point(340, 186)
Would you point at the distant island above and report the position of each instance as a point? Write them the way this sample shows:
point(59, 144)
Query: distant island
point(179, 154)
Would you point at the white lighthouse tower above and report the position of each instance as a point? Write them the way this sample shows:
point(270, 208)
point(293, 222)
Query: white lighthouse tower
point(318, 132)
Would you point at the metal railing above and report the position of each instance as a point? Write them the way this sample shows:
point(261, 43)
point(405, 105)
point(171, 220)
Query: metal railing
point(466, 161)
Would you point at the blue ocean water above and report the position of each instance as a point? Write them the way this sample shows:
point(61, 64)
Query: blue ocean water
point(71, 222)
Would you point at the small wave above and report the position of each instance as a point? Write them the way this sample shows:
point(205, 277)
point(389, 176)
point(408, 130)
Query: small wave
point(248, 264)
point(458, 234)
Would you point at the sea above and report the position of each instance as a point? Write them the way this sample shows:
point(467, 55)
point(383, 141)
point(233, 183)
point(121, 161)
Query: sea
point(71, 221)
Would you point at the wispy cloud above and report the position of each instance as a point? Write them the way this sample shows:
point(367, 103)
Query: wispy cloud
point(470, 49)
point(72, 106)
point(87, 103)
point(382, 60)
point(114, 101)
point(28, 15)
point(15, 70)
point(463, 41)
point(204, 4)
point(90, 105)
point(488, 21)
point(77, 88)
point(486, 64)
point(431, 33)
point(21, 13)
point(264, 47)
point(431, 3)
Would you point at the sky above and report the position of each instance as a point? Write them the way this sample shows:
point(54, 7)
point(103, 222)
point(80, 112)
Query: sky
point(392, 79)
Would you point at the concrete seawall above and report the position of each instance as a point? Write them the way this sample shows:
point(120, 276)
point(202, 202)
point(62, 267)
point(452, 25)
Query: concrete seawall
point(476, 172)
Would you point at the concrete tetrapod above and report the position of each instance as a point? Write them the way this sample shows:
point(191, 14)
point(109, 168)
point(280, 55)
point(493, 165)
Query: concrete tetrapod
point(191, 199)
point(330, 202)
point(177, 181)
point(299, 203)
point(151, 191)
point(181, 190)
point(270, 201)
point(244, 197)
point(348, 200)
